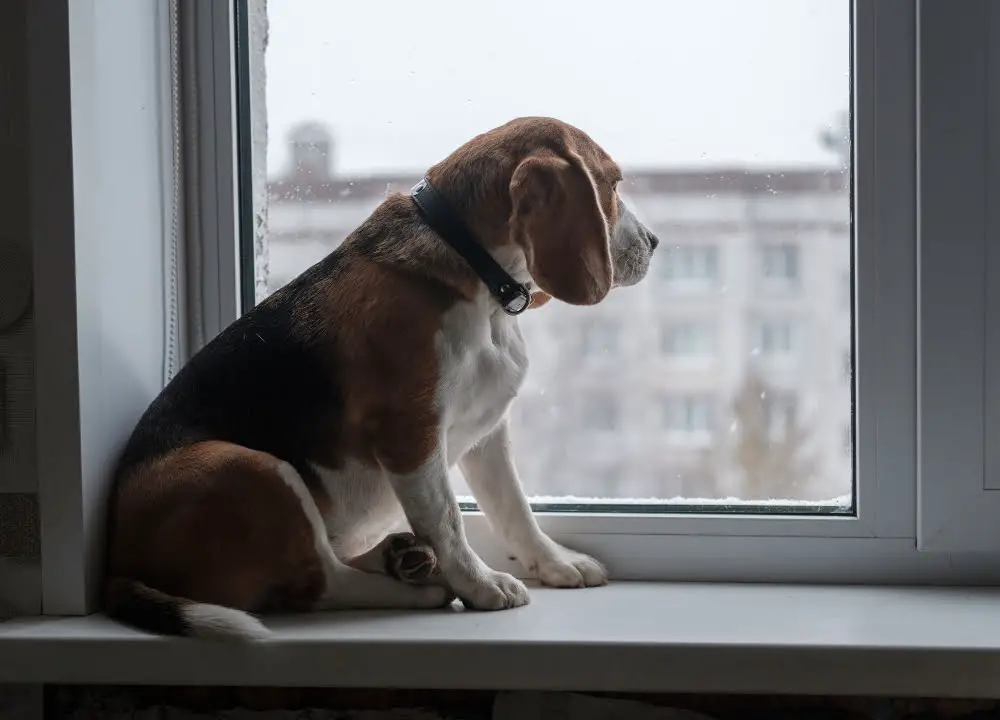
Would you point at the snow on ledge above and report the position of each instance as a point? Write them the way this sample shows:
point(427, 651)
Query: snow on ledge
point(842, 501)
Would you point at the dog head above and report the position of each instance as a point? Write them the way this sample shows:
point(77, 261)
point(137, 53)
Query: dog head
point(549, 189)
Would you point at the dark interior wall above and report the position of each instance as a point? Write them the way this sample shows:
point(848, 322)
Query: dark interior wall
point(19, 543)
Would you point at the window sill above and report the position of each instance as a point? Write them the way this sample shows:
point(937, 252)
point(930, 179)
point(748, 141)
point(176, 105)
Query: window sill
point(626, 637)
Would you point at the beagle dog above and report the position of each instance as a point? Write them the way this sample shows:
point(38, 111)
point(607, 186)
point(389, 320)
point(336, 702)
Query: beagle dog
point(300, 460)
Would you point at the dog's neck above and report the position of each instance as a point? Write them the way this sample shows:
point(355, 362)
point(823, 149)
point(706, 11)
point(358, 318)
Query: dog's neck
point(396, 234)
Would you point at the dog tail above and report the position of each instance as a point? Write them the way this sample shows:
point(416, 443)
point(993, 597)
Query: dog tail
point(146, 608)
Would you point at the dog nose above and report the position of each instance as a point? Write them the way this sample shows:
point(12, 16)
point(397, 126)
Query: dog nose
point(653, 240)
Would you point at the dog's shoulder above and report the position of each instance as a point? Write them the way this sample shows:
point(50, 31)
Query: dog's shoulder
point(324, 366)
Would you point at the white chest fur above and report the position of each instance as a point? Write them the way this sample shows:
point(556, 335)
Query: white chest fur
point(483, 361)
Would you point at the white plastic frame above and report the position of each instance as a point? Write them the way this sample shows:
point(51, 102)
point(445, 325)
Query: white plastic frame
point(99, 211)
point(959, 151)
point(102, 204)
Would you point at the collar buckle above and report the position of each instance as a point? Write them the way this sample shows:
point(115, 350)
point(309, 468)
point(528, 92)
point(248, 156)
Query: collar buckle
point(514, 299)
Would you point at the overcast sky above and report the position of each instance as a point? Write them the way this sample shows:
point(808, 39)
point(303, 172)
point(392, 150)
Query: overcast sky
point(675, 83)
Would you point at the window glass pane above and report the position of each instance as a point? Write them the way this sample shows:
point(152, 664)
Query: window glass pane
point(722, 374)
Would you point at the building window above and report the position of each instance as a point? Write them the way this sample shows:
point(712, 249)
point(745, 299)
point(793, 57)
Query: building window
point(780, 262)
point(689, 417)
point(687, 340)
point(690, 264)
point(775, 338)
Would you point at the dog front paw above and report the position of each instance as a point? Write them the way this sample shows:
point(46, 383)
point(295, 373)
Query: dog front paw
point(558, 566)
point(495, 591)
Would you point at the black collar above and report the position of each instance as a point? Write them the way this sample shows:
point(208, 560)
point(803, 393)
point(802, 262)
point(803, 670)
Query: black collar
point(513, 297)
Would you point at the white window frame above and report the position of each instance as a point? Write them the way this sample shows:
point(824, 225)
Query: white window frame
point(769, 277)
point(99, 81)
point(100, 103)
point(97, 143)
point(959, 279)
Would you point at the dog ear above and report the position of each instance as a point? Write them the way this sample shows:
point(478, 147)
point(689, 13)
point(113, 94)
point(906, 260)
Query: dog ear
point(558, 222)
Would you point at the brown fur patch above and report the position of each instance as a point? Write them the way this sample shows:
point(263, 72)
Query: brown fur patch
point(379, 330)
point(215, 522)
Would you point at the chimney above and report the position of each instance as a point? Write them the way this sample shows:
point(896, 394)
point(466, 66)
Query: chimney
point(311, 151)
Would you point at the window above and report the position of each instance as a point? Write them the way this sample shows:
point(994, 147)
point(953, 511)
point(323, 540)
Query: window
point(780, 263)
point(680, 340)
point(791, 159)
point(335, 150)
point(689, 418)
point(775, 338)
point(689, 265)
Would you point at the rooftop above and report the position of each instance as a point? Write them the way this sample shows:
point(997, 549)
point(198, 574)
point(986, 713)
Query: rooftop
point(306, 188)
